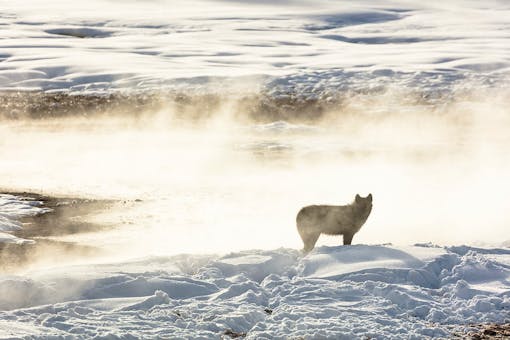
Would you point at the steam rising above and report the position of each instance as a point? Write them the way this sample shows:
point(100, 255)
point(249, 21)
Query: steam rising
point(438, 173)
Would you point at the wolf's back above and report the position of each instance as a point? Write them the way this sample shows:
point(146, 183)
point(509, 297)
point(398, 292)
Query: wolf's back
point(328, 219)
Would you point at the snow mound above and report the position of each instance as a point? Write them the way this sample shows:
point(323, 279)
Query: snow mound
point(344, 292)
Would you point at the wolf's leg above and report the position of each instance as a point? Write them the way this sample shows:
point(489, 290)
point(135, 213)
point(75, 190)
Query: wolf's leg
point(308, 234)
point(309, 240)
point(348, 239)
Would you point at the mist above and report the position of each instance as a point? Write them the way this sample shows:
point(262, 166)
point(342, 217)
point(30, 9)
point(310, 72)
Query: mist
point(438, 173)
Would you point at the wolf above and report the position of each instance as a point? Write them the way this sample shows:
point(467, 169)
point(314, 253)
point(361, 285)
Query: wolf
point(345, 220)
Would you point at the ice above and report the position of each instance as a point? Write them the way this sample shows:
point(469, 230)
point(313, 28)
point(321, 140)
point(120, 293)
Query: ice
point(13, 208)
point(283, 127)
point(380, 291)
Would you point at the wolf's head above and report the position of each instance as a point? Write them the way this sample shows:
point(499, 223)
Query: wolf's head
point(364, 201)
point(363, 207)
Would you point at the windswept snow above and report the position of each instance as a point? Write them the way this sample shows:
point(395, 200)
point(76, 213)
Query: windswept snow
point(311, 46)
point(340, 292)
point(13, 208)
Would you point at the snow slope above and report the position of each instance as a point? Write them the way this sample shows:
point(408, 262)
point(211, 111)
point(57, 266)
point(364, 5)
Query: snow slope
point(291, 46)
point(345, 292)
point(13, 208)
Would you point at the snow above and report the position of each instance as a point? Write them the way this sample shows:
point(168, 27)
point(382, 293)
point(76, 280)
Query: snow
point(13, 208)
point(380, 291)
point(308, 47)
point(287, 49)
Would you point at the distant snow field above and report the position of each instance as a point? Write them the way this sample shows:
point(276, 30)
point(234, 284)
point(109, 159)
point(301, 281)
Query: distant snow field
point(305, 46)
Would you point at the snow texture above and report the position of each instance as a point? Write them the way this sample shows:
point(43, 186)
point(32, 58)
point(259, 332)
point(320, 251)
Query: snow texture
point(313, 48)
point(13, 208)
point(344, 292)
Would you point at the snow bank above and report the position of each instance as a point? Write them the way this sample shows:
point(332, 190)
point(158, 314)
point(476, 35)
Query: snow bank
point(13, 208)
point(340, 292)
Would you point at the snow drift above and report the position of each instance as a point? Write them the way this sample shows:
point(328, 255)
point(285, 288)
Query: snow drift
point(377, 291)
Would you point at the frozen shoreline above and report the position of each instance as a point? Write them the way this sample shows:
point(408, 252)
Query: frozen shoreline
point(12, 209)
point(28, 222)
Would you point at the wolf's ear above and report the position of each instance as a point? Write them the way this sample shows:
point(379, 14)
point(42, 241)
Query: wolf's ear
point(357, 198)
point(369, 197)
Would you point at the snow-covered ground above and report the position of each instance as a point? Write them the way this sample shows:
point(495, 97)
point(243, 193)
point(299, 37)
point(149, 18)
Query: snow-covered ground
point(313, 47)
point(344, 292)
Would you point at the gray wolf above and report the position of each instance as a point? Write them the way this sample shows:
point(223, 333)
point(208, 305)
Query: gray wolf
point(345, 220)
